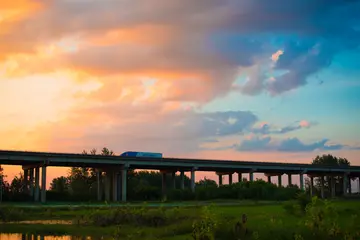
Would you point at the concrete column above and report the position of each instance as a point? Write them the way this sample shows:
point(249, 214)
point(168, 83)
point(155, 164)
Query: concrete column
point(98, 181)
point(289, 180)
point(43, 184)
point(230, 179)
point(269, 179)
point(124, 184)
point(350, 190)
point(239, 177)
point(31, 185)
point(164, 190)
point(302, 181)
point(173, 180)
point(193, 180)
point(182, 180)
point(311, 186)
point(279, 180)
point(115, 186)
point(332, 186)
point(251, 176)
point(37, 187)
point(359, 185)
point(1, 187)
point(322, 187)
point(107, 186)
point(220, 180)
point(345, 184)
point(26, 180)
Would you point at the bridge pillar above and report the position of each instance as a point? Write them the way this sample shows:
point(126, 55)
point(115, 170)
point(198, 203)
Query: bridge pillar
point(115, 186)
point(279, 180)
point(164, 190)
point(230, 179)
point(301, 181)
point(182, 180)
point(322, 187)
point(124, 184)
point(193, 180)
point(37, 187)
point(332, 186)
point(251, 176)
point(107, 186)
point(345, 184)
point(269, 179)
point(98, 180)
point(239, 177)
point(173, 180)
point(26, 181)
point(289, 180)
point(31, 185)
point(350, 185)
point(220, 179)
point(311, 186)
point(43, 184)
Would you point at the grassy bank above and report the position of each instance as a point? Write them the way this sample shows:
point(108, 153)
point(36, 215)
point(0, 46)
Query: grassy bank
point(287, 220)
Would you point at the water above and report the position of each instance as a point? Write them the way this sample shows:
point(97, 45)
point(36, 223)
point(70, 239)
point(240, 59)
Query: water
point(23, 236)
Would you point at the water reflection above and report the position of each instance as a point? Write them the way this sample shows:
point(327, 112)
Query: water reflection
point(23, 236)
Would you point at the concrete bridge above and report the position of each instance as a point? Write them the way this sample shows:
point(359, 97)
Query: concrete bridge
point(116, 168)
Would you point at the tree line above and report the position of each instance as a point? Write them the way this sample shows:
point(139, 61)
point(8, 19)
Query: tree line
point(80, 184)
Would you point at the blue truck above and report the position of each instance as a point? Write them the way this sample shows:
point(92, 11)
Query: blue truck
point(141, 154)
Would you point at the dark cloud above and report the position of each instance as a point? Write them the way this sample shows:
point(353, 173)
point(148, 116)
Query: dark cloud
point(266, 129)
point(286, 145)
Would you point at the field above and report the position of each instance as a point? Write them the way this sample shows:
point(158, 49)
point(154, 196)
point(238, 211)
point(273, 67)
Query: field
point(221, 220)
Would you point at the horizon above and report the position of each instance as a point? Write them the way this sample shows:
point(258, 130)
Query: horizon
point(246, 80)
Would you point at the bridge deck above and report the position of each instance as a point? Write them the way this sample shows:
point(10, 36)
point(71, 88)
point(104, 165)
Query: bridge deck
point(98, 161)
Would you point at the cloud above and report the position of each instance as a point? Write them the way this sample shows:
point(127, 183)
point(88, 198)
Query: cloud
point(266, 129)
point(266, 143)
point(184, 42)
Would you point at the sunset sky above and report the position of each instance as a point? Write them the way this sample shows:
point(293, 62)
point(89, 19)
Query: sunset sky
point(248, 80)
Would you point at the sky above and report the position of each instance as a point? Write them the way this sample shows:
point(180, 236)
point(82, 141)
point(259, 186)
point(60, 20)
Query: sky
point(251, 80)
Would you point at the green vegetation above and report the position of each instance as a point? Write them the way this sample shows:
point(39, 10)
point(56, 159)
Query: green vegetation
point(317, 219)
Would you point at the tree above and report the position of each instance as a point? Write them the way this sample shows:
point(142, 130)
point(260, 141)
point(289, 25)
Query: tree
point(60, 185)
point(207, 183)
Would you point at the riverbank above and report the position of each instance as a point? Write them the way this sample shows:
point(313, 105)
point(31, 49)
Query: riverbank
point(226, 222)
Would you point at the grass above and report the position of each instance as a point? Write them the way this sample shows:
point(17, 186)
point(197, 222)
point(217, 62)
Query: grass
point(263, 220)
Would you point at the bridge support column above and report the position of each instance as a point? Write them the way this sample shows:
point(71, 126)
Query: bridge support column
point(332, 186)
point(350, 190)
point(289, 180)
point(311, 186)
point(269, 179)
point(107, 186)
point(230, 179)
point(26, 180)
point(193, 180)
point(220, 180)
point(239, 177)
point(182, 180)
point(43, 184)
point(115, 186)
point(322, 187)
point(359, 185)
point(98, 180)
point(124, 184)
point(279, 180)
point(31, 185)
point(173, 180)
point(301, 181)
point(251, 176)
point(345, 184)
point(164, 190)
point(37, 187)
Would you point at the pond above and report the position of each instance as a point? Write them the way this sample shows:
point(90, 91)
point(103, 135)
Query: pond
point(23, 236)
